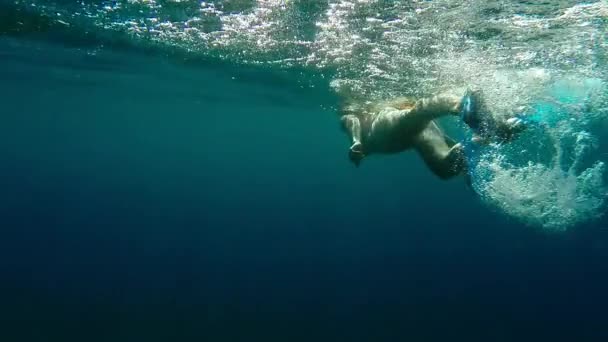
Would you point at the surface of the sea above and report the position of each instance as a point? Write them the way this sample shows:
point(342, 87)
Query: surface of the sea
point(160, 184)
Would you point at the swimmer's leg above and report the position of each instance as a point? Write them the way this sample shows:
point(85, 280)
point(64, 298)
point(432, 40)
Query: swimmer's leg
point(352, 125)
point(443, 157)
point(409, 122)
point(437, 106)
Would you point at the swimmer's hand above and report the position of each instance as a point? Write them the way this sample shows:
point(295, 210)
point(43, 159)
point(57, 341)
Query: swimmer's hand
point(356, 154)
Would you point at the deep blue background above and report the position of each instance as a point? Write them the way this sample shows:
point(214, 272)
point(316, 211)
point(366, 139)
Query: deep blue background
point(141, 200)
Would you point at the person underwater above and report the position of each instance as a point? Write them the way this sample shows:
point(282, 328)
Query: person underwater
point(400, 124)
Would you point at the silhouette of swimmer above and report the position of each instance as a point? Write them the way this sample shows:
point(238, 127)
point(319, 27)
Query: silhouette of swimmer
point(401, 124)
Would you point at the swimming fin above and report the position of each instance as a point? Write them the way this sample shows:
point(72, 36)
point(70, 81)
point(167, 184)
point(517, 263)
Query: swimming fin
point(470, 111)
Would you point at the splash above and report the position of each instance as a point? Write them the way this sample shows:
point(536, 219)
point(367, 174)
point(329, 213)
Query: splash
point(543, 195)
point(552, 178)
point(551, 68)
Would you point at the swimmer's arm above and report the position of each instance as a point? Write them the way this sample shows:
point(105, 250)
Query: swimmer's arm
point(352, 126)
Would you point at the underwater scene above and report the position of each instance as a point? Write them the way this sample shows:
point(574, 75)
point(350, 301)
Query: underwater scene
point(186, 170)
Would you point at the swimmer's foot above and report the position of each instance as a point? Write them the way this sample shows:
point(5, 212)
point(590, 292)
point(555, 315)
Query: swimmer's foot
point(503, 131)
point(516, 124)
point(480, 140)
point(508, 129)
point(356, 154)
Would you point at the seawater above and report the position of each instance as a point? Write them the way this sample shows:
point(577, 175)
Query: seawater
point(151, 194)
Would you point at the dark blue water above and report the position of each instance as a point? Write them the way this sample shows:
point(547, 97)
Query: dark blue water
point(146, 200)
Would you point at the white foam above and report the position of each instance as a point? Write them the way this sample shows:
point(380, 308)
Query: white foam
point(555, 195)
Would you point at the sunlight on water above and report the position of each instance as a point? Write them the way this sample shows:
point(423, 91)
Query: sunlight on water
point(545, 60)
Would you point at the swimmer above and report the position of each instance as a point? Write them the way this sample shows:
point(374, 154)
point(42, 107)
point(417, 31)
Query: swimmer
point(401, 124)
